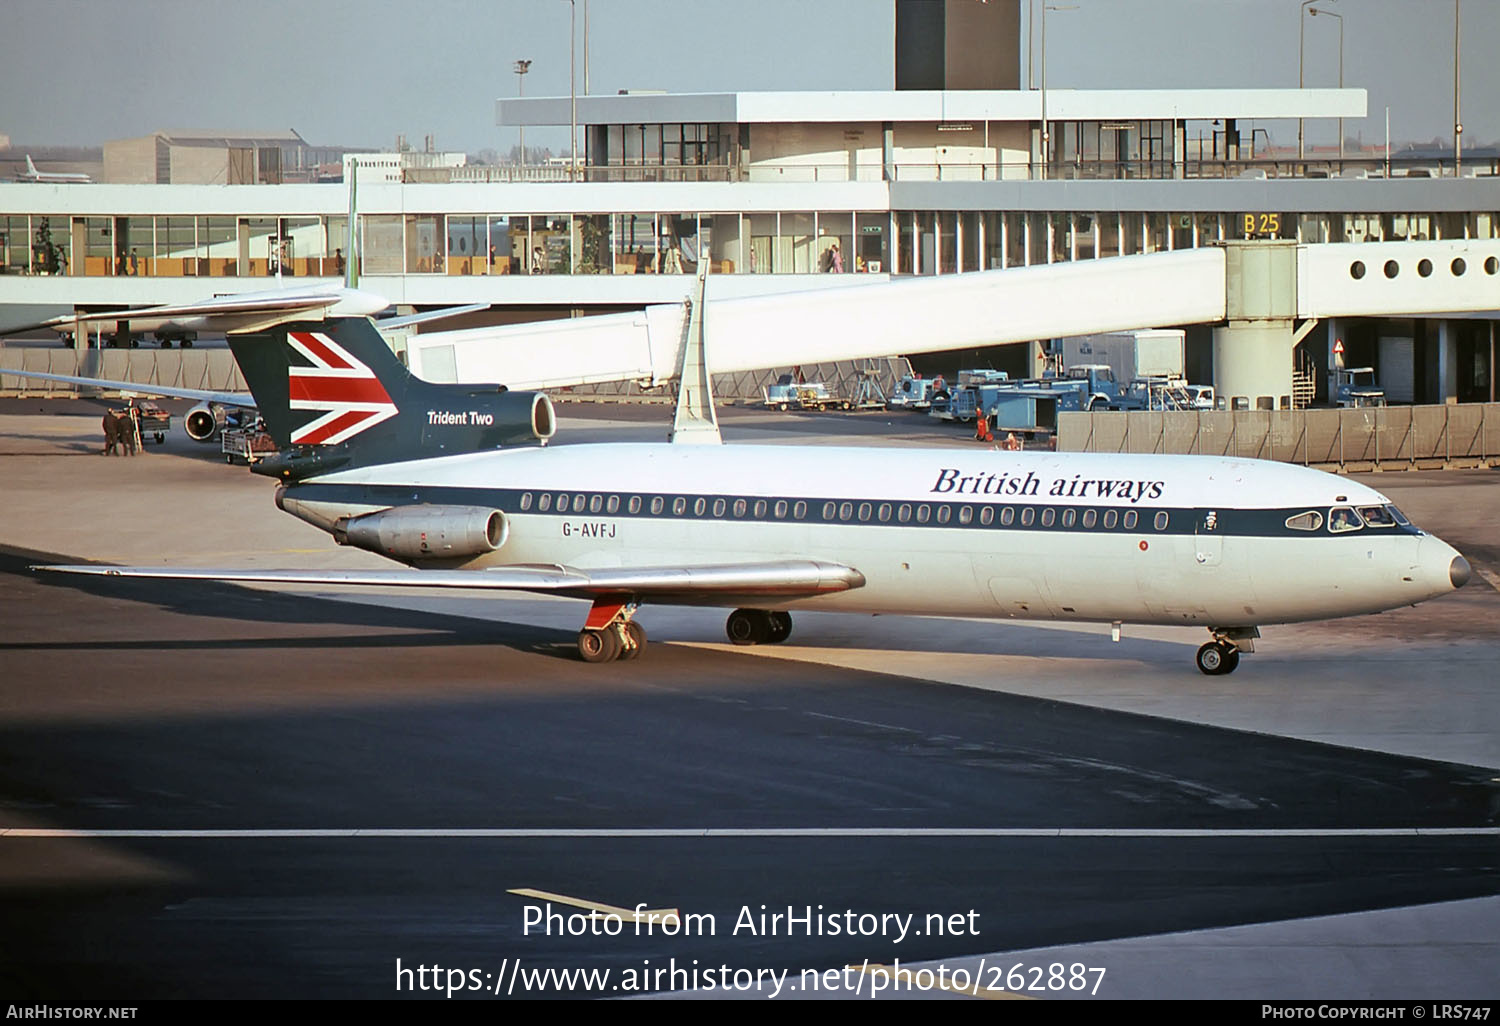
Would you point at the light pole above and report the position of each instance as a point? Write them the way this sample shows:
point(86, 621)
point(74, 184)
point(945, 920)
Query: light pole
point(1458, 124)
point(521, 68)
point(1314, 11)
point(1301, 62)
point(1030, 44)
point(573, 87)
point(1046, 131)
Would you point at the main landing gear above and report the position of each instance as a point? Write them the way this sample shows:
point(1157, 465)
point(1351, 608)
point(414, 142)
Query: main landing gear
point(1222, 654)
point(610, 633)
point(758, 626)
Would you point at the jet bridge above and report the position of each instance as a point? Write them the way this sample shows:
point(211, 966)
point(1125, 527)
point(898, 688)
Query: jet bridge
point(1262, 296)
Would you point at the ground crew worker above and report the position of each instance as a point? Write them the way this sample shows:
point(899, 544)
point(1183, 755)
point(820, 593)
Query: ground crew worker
point(111, 433)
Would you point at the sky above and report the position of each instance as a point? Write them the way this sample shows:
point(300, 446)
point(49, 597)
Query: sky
point(358, 72)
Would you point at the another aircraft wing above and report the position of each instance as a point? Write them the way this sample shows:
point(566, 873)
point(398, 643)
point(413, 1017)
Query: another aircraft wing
point(244, 400)
point(680, 585)
point(407, 320)
point(260, 303)
point(247, 311)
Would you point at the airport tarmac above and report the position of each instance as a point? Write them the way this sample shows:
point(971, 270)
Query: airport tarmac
point(279, 793)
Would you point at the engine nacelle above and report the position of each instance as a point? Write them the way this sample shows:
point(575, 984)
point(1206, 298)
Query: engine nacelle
point(543, 419)
point(205, 421)
point(425, 532)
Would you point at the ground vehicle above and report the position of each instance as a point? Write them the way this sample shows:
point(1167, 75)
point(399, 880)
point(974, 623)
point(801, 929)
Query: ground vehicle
point(970, 395)
point(782, 394)
point(1099, 387)
point(153, 420)
point(1202, 396)
point(1356, 387)
point(250, 444)
point(806, 395)
point(913, 392)
point(1148, 353)
point(1161, 393)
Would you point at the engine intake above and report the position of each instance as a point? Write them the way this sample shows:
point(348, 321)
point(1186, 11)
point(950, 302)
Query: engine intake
point(204, 422)
point(425, 532)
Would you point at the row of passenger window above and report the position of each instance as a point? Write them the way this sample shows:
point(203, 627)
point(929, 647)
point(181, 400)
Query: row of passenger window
point(863, 512)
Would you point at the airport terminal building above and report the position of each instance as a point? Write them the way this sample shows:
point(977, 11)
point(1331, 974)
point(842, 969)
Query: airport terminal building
point(955, 170)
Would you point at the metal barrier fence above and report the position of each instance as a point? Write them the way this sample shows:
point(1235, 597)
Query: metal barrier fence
point(208, 369)
point(1372, 438)
point(841, 377)
point(215, 370)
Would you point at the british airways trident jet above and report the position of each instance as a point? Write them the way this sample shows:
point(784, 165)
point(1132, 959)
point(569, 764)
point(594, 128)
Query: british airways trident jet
point(456, 485)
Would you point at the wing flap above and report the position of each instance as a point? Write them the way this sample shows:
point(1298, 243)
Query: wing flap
point(708, 584)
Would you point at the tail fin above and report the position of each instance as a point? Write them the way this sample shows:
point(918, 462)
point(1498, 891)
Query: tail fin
point(30, 167)
point(333, 392)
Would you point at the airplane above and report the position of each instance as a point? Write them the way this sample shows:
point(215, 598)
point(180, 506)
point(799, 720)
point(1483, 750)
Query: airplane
point(456, 484)
point(31, 174)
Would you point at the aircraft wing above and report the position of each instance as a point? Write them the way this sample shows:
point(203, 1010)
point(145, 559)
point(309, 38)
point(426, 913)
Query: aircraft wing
point(260, 303)
point(713, 584)
point(244, 400)
point(247, 311)
point(408, 320)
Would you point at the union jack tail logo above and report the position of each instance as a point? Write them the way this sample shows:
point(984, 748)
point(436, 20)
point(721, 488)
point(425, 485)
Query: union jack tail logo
point(336, 382)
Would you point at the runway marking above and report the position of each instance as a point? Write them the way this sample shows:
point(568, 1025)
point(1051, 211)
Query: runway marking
point(626, 833)
point(976, 991)
point(599, 909)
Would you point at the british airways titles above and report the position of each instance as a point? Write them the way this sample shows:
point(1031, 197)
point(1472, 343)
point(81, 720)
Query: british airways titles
point(953, 481)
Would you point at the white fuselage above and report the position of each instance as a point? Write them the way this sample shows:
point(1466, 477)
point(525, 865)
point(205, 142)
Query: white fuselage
point(1138, 539)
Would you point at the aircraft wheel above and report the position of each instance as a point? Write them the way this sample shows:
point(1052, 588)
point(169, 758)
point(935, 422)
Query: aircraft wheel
point(781, 627)
point(598, 646)
point(1215, 658)
point(637, 641)
point(747, 627)
point(161, 439)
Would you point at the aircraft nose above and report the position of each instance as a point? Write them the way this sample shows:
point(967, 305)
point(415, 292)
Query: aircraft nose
point(1458, 571)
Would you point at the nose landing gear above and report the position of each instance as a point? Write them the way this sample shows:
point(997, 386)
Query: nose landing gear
point(1222, 654)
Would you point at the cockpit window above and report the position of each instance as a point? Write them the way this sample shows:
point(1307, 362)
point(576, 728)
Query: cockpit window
point(1342, 519)
point(1400, 517)
point(1309, 521)
point(1377, 516)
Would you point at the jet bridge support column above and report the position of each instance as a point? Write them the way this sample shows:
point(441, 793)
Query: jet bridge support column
point(1253, 350)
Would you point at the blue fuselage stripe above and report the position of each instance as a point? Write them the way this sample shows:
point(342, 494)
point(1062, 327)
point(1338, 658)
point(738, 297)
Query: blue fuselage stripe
point(844, 512)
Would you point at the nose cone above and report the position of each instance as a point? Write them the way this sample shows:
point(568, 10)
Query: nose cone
point(1458, 571)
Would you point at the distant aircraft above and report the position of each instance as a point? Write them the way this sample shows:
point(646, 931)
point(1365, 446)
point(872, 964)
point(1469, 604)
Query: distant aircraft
point(31, 174)
point(450, 480)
